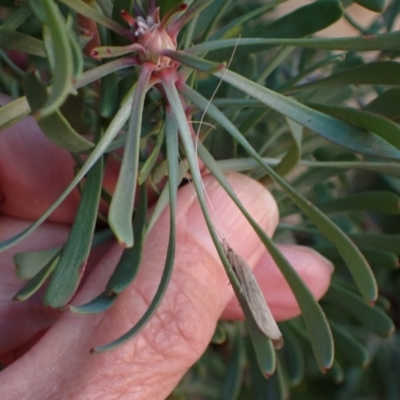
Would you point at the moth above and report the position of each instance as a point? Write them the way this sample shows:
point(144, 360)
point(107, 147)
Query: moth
point(252, 292)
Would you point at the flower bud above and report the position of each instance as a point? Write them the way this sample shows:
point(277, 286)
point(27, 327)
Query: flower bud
point(154, 42)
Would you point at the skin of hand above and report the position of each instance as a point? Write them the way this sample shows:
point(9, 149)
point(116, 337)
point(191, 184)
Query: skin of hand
point(47, 352)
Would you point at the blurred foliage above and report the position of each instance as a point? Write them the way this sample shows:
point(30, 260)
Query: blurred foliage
point(322, 112)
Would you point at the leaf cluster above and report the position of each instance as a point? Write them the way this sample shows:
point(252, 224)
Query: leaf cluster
point(309, 117)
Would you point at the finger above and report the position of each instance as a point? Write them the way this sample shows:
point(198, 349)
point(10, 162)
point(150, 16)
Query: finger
point(34, 172)
point(313, 269)
point(151, 364)
point(22, 321)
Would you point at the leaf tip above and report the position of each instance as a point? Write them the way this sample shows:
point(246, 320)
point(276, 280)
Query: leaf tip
point(278, 343)
point(125, 241)
point(38, 115)
point(221, 66)
point(95, 54)
point(128, 18)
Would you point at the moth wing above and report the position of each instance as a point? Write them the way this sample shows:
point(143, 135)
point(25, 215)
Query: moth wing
point(258, 306)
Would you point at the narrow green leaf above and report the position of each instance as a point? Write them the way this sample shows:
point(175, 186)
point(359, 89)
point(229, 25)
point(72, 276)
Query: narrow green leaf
point(108, 96)
point(283, 383)
point(13, 112)
point(113, 129)
point(128, 265)
point(383, 303)
point(37, 281)
point(163, 199)
point(194, 62)
point(314, 318)
point(378, 241)
point(219, 336)
point(12, 40)
point(121, 207)
point(167, 5)
point(48, 45)
point(336, 372)
point(234, 375)
point(84, 9)
point(114, 51)
point(195, 9)
point(30, 263)
point(379, 42)
point(252, 120)
point(103, 70)
point(348, 346)
point(320, 64)
point(263, 348)
point(100, 237)
point(374, 73)
point(152, 158)
point(375, 123)
point(62, 55)
point(386, 104)
point(39, 9)
point(373, 5)
point(55, 126)
point(376, 258)
point(69, 269)
point(303, 21)
point(248, 164)
point(293, 155)
point(237, 24)
point(311, 178)
point(117, 7)
point(172, 157)
point(19, 108)
point(293, 355)
point(380, 259)
point(372, 317)
point(379, 201)
point(98, 305)
point(259, 383)
point(76, 53)
point(274, 63)
point(261, 388)
point(355, 261)
point(386, 354)
point(17, 17)
point(332, 129)
point(5, 58)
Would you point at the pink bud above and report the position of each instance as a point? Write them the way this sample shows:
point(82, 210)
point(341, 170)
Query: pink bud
point(154, 41)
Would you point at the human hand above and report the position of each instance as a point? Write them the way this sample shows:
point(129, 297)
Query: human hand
point(47, 351)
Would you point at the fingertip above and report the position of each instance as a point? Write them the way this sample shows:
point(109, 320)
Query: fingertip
point(314, 269)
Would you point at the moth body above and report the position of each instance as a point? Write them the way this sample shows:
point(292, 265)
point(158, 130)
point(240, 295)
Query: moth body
point(252, 292)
